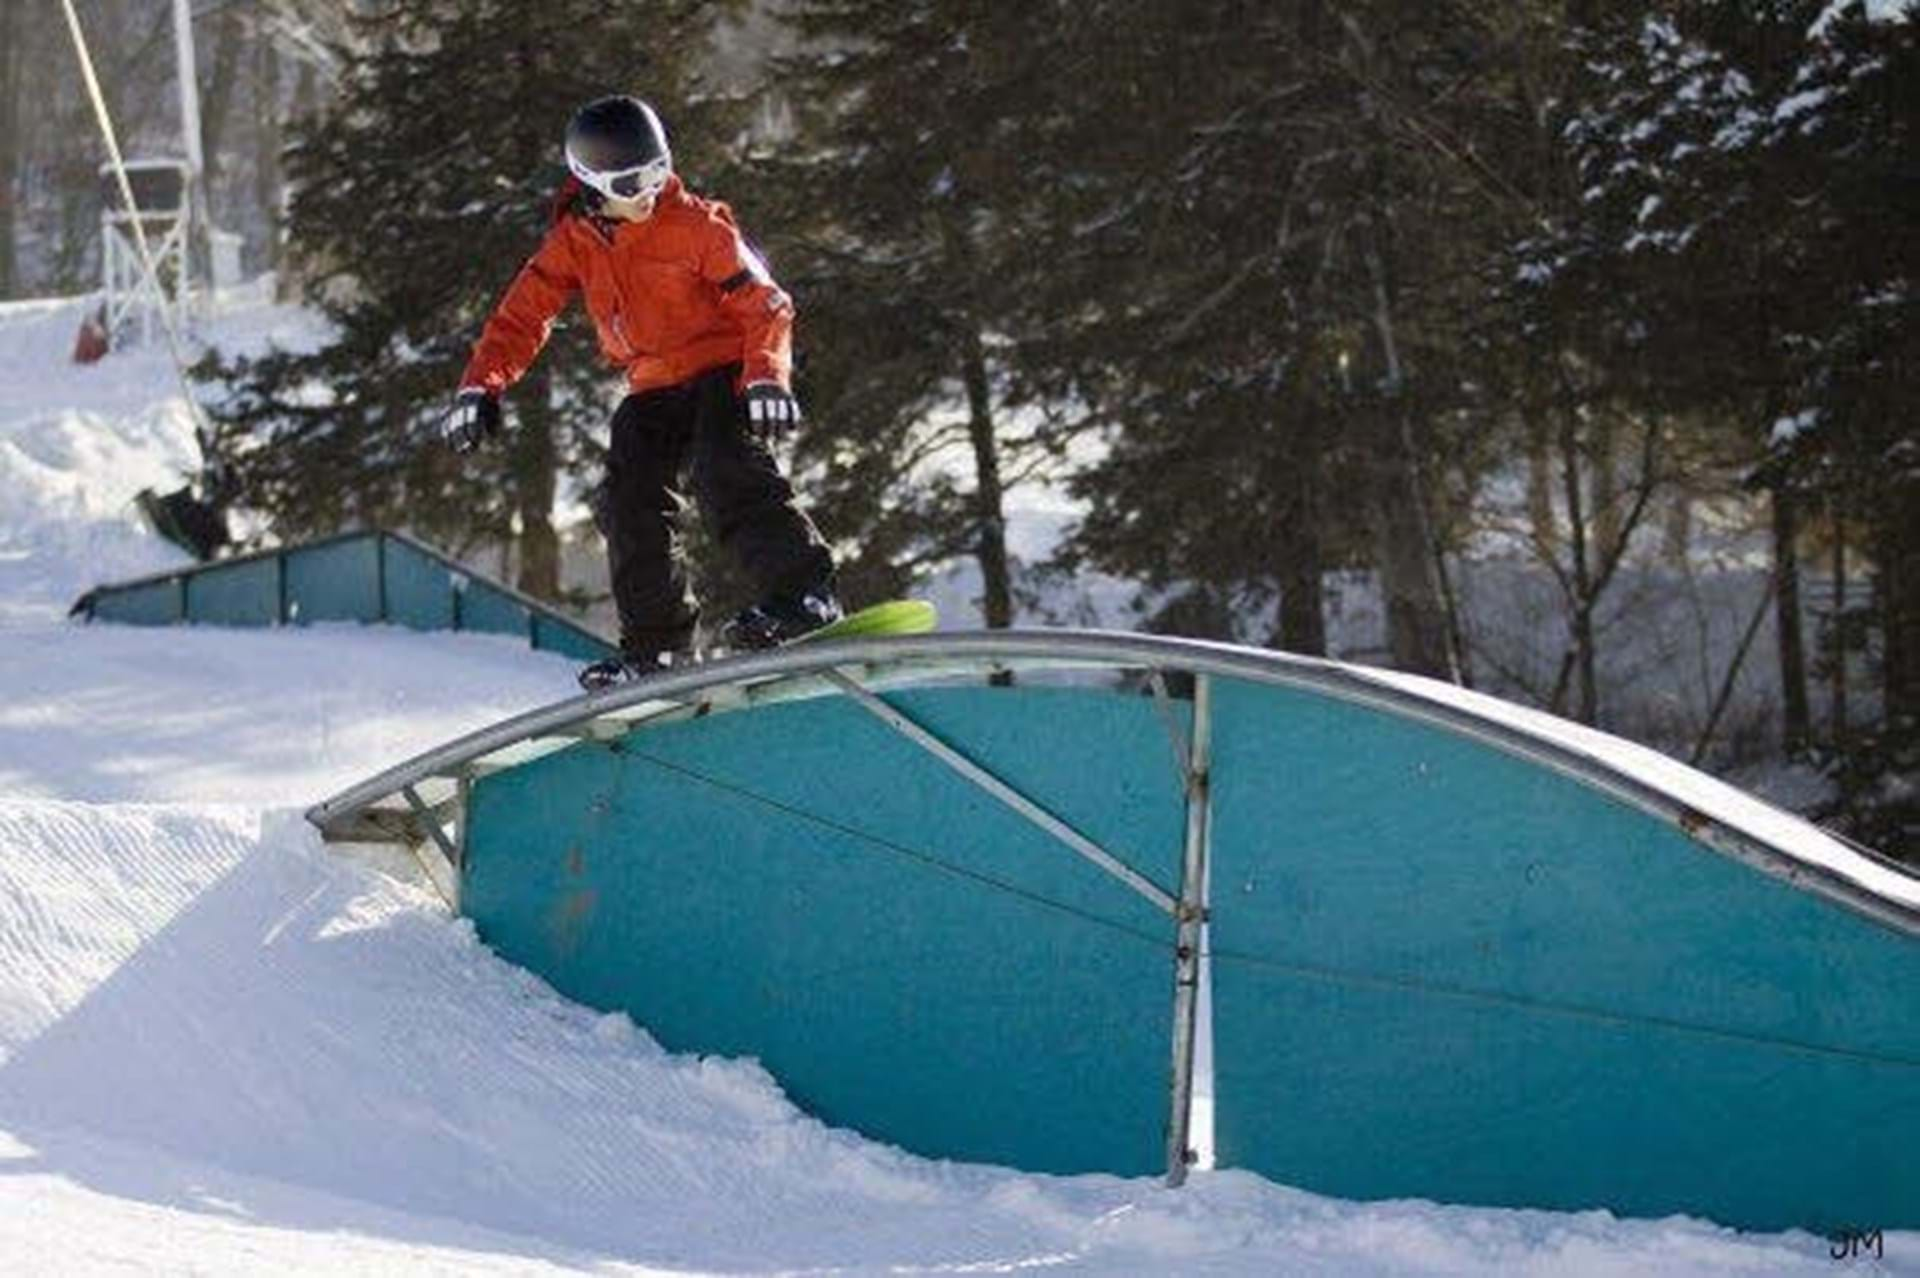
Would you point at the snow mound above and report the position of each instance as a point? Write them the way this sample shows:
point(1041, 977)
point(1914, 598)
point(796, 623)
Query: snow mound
point(222, 990)
point(265, 717)
point(83, 888)
point(68, 474)
point(224, 1027)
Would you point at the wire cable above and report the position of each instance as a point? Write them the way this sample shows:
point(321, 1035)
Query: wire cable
point(900, 849)
point(202, 429)
point(1524, 1003)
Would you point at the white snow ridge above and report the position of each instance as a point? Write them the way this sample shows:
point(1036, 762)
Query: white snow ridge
point(228, 1049)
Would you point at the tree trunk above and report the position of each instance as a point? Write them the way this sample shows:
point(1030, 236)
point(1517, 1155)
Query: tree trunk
point(1303, 624)
point(1896, 593)
point(1676, 531)
point(1419, 631)
point(1545, 525)
point(1580, 624)
point(1796, 721)
point(11, 70)
point(306, 103)
point(1416, 621)
point(989, 496)
point(536, 465)
point(1604, 461)
point(217, 102)
point(1303, 621)
point(1837, 636)
point(990, 517)
point(266, 157)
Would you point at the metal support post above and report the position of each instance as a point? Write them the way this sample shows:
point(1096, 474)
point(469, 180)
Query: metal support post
point(463, 796)
point(380, 576)
point(1188, 920)
point(429, 820)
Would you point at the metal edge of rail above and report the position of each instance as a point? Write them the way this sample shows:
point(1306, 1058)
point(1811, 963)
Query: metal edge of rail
point(809, 669)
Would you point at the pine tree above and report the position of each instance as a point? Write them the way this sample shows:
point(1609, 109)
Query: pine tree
point(1295, 307)
point(909, 231)
point(1744, 248)
point(416, 199)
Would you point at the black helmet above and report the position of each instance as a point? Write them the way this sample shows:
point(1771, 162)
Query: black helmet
point(617, 146)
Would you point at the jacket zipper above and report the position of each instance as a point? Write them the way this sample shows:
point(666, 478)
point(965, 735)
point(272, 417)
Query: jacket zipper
point(617, 320)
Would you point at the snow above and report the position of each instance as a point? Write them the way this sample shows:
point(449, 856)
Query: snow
point(228, 1049)
point(1877, 11)
point(1788, 429)
point(1798, 104)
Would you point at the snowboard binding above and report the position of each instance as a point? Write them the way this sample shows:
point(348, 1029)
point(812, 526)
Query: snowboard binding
point(781, 620)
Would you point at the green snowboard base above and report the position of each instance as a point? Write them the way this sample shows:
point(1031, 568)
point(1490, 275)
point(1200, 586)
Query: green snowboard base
point(895, 617)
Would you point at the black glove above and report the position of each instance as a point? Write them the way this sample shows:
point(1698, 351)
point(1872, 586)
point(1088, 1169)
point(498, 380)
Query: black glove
point(474, 417)
point(772, 411)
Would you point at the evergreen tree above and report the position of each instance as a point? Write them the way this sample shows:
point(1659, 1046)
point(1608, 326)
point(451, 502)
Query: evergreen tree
point(1744, 248)
point(1295, 308)
point(415, 201)
point(909, 206)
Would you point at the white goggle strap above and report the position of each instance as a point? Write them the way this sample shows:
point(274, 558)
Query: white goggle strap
point(654, 172)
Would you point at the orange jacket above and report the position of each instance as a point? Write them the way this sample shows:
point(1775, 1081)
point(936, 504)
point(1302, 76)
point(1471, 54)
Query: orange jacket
point(670, 297)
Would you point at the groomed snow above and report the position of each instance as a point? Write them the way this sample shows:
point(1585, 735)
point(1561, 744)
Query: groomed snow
point(225, 1048)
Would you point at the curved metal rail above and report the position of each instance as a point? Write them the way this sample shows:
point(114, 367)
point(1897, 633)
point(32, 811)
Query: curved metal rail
point(1844, 873)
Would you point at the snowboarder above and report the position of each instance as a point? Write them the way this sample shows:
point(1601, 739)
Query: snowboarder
point(681, 302)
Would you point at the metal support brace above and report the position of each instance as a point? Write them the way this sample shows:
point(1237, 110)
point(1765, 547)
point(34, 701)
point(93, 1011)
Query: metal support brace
point(431, 820)
point(985, 780)
point(1192, 913)
point(462, 804)
point(450, 849)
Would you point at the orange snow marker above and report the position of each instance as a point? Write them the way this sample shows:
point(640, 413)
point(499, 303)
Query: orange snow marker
point(91, 342)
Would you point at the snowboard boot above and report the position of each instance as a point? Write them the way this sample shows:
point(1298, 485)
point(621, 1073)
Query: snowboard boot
point(625, 667)
point(781, 619)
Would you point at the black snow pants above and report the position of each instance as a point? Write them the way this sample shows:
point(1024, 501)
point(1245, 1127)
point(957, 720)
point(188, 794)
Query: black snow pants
point(696, 430)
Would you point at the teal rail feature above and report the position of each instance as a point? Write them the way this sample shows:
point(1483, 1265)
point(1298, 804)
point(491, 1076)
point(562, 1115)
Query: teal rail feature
point(956, 892)
point(372, 576)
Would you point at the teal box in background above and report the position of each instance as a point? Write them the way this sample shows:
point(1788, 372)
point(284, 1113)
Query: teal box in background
point(367, 577)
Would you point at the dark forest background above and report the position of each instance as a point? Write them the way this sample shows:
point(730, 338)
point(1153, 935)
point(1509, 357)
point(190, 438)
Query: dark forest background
point(1533, 322)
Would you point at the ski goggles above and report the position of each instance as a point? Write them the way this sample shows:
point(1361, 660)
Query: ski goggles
point(641, 182)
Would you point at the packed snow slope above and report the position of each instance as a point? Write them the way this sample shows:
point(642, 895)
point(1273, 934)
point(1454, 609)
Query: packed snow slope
point(225, 1048)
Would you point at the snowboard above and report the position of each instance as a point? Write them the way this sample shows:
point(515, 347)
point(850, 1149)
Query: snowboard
point(894, 617)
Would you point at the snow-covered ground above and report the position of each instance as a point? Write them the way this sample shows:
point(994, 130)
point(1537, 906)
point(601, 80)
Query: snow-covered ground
point(225, 1048)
